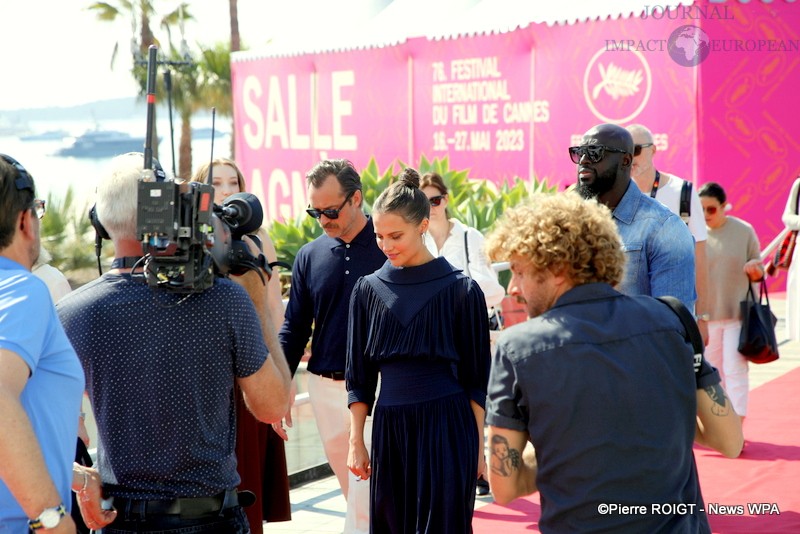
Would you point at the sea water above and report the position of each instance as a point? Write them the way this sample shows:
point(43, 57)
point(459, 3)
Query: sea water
point(54, 174)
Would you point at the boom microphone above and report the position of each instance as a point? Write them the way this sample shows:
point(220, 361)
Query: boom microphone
point(243, 213)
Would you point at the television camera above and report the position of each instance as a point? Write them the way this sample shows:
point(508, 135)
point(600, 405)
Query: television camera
point(187, 240)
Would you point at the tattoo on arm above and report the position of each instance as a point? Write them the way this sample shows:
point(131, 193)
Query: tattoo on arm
point(515, 458)
point(720, 407)
point(505, 460)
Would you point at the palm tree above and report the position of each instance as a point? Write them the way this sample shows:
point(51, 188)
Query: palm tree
point(143, 11)
point(185, 100)
point(234, 11)
point(236, 45)
point(201, 87)
point(214, 68)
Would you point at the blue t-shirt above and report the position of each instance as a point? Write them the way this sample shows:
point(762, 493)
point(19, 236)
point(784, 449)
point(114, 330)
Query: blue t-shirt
point(160, 372)
point(51, 398)
point(659, 249)
point(604, 384)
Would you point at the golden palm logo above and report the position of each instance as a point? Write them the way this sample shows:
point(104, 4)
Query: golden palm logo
point(617, 82)
point(617, 85)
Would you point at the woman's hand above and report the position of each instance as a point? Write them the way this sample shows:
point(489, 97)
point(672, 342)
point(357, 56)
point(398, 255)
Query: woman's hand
point(358, 461)
point(754, 270)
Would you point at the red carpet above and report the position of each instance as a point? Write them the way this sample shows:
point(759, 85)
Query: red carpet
point(767, 472)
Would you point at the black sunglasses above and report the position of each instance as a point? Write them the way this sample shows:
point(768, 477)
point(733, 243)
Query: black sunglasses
point(637, 149)
point(595, 152)
point(437, 200)
point(330, 213)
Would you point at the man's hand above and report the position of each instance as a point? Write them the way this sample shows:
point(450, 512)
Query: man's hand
point(89, 500)
point(279, 427)
point(251, 280)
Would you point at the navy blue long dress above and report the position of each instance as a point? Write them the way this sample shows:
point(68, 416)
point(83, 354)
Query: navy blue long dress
point(425, 330)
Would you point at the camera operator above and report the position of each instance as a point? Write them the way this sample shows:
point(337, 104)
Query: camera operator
point(161, 369)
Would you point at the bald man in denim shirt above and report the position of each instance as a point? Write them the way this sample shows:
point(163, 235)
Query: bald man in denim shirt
point(658, 246)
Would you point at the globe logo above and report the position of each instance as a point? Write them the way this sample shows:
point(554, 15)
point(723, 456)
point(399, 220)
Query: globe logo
point(688, 45)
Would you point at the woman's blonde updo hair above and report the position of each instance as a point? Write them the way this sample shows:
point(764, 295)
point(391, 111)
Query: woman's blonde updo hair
point(405, 198)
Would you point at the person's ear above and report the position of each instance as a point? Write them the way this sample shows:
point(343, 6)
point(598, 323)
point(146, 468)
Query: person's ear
point(627, 160)
point(25, 224)
point(423, 226)
point(559, 272)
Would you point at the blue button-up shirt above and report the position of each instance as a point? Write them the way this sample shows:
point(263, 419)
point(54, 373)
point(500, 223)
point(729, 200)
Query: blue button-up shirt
point(658, 246)
point(323, 276)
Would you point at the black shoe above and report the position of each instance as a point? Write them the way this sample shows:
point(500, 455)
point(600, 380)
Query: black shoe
point(483, 487)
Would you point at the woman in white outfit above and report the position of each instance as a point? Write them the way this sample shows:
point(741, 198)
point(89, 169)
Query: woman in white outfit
point(792, 221)
point(463, 247)
point(446, 237)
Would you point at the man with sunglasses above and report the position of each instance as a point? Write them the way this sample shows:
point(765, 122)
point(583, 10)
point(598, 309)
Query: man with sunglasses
point(670, 190)
point(41, 380)
point(658, 247)
point(323, 276)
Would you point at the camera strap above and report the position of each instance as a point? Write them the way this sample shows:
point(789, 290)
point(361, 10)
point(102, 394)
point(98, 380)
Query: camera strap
point(127, 262)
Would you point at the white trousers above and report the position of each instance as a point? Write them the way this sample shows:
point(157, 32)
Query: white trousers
point(329, 402)
point(723, 353)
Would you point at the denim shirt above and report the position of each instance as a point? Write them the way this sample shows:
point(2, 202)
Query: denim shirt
point(659, 249)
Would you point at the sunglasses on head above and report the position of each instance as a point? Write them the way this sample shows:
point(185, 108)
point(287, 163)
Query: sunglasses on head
point(595, 153)
point(637, 149)
point(437, 200)
point(24, 181)
point(330, 213)
point(710, 210)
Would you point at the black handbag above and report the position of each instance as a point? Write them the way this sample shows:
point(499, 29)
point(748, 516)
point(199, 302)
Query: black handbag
point(757, 340)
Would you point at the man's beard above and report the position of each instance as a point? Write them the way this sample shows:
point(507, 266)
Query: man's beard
point(600, 185)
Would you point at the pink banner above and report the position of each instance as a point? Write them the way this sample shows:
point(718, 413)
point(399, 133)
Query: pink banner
point(505, 105)
point(472, 103)
point(616, 71)
point(292, 112)
point(748, 112)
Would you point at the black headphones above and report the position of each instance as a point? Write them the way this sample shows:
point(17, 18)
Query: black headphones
point(24, 181)
point(100, 231)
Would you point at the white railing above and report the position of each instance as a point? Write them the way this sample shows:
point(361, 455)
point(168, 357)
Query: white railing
point(775, 243)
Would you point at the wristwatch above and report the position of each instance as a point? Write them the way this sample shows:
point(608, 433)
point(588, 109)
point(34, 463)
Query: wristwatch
point(49, 518)
point(704, 317)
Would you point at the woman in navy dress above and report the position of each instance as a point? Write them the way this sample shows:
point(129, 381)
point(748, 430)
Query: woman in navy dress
point(421, 325)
